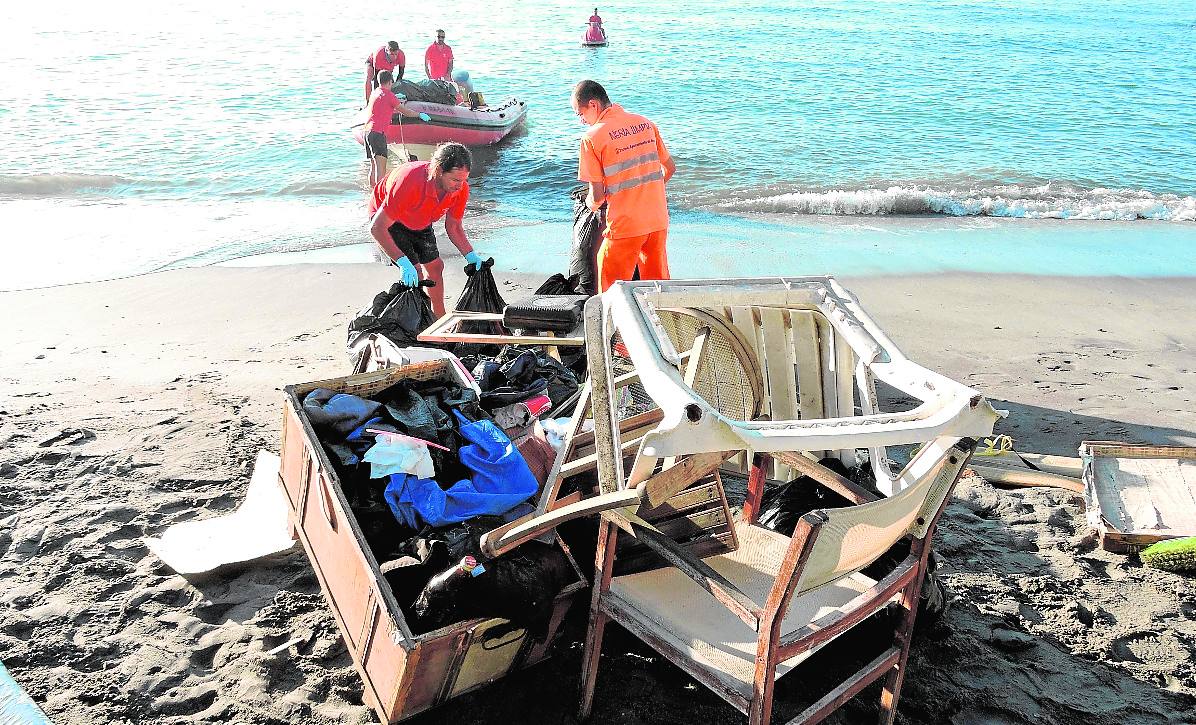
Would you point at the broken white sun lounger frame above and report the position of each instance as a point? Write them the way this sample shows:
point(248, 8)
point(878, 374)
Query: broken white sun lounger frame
point(819, 356)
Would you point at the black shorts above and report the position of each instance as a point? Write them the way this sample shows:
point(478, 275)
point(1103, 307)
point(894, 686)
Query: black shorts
point(375, 145)
point(418, 245)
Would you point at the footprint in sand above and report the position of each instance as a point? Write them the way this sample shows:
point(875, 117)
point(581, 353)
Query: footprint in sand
point(1153, 650)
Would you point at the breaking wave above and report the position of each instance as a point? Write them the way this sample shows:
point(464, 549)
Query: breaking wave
point(1045, 201)
point(58, 184)
point(319, 188)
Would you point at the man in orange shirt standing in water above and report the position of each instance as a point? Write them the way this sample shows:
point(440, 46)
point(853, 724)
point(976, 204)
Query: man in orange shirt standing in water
point(626, 165)
point(438, 59)
point(406, 203)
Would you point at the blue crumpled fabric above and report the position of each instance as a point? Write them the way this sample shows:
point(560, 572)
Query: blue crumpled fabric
point(340, 421)
point(501, 481)
point(337, 414)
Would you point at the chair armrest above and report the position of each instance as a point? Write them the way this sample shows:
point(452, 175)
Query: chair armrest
point(702, 573)
point(834, 623)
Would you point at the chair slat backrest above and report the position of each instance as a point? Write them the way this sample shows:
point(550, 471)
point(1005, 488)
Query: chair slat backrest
point(855, 536)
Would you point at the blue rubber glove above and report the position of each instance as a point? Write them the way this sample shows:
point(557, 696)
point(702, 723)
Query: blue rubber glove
point(474, 259)
point(410, 276)
point(424, 117)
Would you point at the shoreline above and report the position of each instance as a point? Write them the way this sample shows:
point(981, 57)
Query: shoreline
point(124, 240)
point(130, 405)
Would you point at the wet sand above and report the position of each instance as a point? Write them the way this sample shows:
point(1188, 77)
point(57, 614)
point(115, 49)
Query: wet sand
point(129, 405)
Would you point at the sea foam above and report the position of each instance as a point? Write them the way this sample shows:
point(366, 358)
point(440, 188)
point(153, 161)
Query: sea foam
point(1045, 201)
point(65, 184)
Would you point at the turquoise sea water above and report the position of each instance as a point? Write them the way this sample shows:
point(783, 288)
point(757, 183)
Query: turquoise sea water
point(811, 137)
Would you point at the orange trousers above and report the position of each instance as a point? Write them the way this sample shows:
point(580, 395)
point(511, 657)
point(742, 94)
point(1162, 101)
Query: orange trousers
point(618, 258)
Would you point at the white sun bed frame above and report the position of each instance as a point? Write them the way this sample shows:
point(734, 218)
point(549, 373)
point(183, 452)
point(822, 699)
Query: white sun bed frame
point(820, 355)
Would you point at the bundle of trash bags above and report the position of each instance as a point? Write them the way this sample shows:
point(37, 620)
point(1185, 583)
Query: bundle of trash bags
point(427, 470)
point(428, 467)
point(481, 295)
point(427, 91)
point(438, 459)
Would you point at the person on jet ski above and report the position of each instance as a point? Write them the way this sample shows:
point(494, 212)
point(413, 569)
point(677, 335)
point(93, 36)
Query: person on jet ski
point(596, 21)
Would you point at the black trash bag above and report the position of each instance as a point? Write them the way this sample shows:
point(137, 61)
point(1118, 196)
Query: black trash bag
point(782, 507)
point(519, 373)
point(519, 586)
point(563, 383)
point(481, 295)
point(559, 284)
point(400, 313)
point(426, 91)
point(587, 236)
point(516, 391)
point(382, 531)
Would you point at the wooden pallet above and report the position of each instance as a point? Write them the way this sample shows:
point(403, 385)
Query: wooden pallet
point(1139, 495)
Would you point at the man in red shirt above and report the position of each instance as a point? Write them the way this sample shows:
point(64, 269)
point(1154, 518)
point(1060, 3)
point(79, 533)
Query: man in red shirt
point(626, 164)
point(596, 25)
point(409, 200)
point(438, 59)
point(380, 110)
point(388, 57)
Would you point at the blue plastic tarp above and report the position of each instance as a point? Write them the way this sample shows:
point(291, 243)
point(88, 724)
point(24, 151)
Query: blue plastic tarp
point(501, 481)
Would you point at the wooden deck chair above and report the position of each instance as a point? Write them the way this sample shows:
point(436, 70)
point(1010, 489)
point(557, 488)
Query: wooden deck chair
point(738, 621)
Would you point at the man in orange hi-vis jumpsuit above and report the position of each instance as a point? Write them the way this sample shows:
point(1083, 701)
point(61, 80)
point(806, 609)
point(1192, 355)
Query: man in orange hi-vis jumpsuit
point(626, 165)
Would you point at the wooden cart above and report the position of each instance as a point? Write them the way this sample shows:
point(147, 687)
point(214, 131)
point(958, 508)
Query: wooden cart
point(403, 673)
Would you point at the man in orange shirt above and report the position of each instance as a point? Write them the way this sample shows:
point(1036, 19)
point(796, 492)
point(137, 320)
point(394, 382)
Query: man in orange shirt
point(627, 166)
point(438, 59)
point(406, 203)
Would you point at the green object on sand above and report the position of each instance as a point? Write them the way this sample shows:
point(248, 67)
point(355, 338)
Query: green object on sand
point(1178, 555)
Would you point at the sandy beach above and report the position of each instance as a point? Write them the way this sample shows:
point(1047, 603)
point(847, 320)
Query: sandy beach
point(131, 405)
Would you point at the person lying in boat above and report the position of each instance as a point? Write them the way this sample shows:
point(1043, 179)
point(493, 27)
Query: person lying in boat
point(383, 104)
point(411, 198)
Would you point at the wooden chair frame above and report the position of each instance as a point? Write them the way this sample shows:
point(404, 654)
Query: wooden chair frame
point(948, 422)
point(902, 585)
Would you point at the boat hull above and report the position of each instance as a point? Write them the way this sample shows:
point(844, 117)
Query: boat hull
point(480, 127)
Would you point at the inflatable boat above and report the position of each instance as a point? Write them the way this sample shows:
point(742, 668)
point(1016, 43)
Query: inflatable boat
point(479, 126)
point(594, 36)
